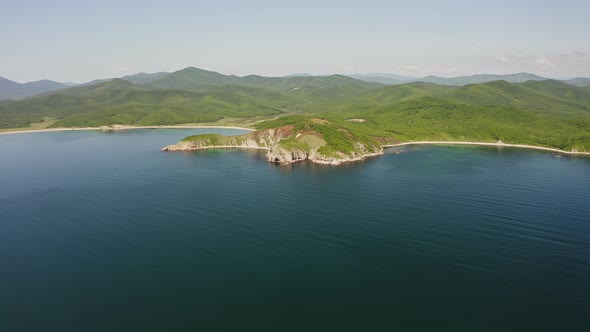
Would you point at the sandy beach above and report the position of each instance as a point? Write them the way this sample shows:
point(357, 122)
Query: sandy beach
point(120, 128)
point(522, 146)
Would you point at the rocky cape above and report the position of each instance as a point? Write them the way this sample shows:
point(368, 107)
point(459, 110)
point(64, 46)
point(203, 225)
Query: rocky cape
point(289, 144)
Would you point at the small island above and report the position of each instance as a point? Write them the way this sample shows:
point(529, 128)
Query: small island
point(295, 138)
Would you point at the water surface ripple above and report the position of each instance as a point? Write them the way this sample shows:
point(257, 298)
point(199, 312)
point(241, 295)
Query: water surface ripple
point(103, 232)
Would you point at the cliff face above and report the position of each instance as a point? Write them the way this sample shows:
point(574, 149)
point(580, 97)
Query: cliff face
point(208, 143)
point(262, 139)
point(289, 144)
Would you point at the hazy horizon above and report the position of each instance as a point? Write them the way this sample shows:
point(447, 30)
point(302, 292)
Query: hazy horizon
point(292, 74)
point(83, 41)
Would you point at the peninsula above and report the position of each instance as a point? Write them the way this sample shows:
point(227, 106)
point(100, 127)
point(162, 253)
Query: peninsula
point(295, 138)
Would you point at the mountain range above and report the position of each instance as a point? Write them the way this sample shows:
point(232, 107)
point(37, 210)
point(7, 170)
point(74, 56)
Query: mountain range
point(192, 77)
point(390, 79)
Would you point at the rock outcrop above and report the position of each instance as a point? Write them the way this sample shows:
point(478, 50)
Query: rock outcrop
point(284, 156)
point(288, 144)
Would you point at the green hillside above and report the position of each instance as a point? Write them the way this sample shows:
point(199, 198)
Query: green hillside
point(395, 94)
point(190, 95)
point(309, 84)
point(433, 118)
point(482, 78)
point(119, 101)
point(561, 90)
point(192, 79)
point(306, 93)
point(545, 97)
point(142, 78)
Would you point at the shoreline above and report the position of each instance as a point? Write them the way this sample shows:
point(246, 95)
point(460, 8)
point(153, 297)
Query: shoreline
point(164, 149)
point(125, 127)
point(520, 146)
point(104, 128)
point(332, 162)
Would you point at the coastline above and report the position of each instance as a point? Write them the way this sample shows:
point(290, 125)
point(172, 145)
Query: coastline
point(122, 128)
point(166, 149)
point(125, 127)
point(334, 162)
point(521, 146)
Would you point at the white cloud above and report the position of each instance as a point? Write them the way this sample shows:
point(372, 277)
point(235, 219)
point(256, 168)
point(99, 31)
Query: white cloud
point(549, 64)
point(542, 61)
point(503, 58)
point(576, 59)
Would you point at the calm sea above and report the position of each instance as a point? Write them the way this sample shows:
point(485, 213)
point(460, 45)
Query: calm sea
point(103, 232)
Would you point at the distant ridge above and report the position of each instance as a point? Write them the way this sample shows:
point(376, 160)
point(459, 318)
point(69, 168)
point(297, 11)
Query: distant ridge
point(483, 78)
point(392, 79)
point(193, 79)
point(140, 78)
point(14, 90)
point(299, 75)
point(579, 81)
point(143, 77)
point(388, 79)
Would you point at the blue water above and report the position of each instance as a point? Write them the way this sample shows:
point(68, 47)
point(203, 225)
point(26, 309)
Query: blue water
point(103, 232)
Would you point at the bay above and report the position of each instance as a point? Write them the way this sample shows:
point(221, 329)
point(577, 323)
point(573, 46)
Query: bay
point(104, 232)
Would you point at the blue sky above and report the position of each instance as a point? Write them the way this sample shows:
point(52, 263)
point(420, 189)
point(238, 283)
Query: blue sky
point(80, 41)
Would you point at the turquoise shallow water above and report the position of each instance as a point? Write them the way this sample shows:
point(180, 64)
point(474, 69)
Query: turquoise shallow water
point(103, 232)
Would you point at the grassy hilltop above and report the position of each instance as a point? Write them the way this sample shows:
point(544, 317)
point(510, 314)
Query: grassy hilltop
point(295, 138)
point(537, 112)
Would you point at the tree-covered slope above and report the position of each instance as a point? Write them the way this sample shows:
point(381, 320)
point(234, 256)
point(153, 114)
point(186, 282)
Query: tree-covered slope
point(436, 118)
point(321, 87)
point(545, 97)
point(482, 78)
point(143, 78)
point(120, 102)
point(192, 79)
point(395, 94)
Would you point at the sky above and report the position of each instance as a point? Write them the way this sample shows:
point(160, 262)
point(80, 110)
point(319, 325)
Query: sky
point(79, 41)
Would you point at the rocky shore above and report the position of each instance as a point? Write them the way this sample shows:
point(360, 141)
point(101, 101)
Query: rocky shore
point(285, 145)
